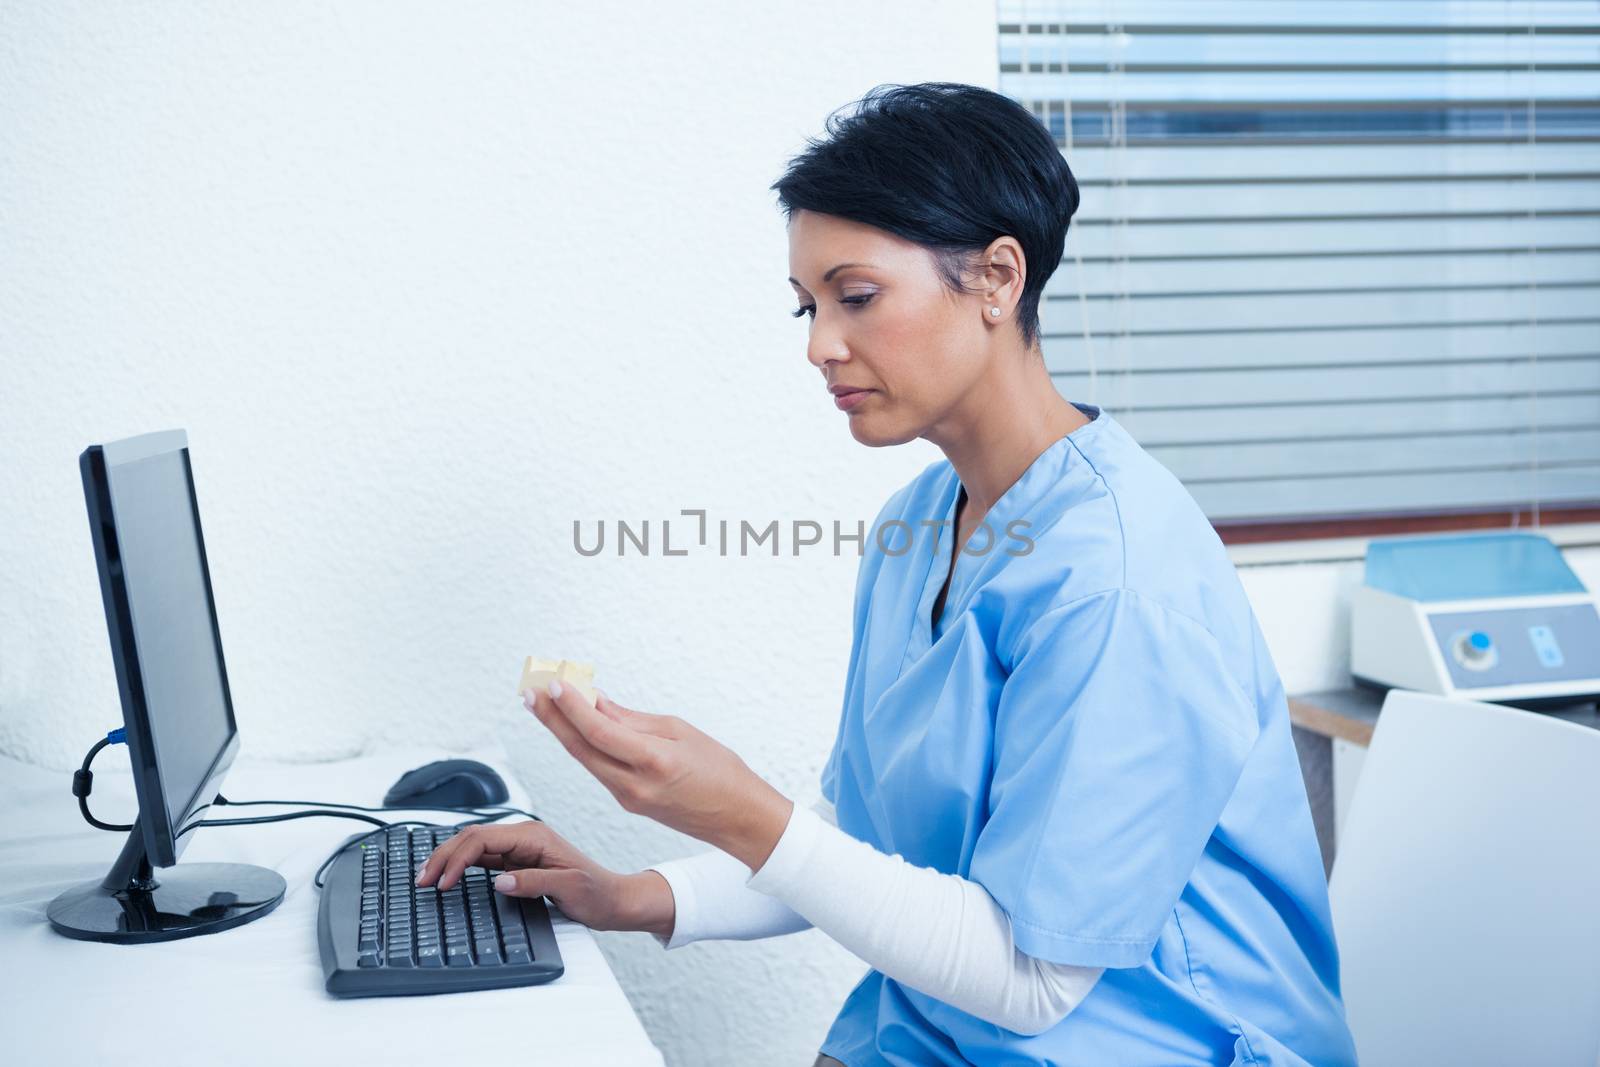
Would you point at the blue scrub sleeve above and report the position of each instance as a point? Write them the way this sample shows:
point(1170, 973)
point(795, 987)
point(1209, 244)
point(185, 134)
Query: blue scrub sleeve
point(1119, 736)
point(830, 774)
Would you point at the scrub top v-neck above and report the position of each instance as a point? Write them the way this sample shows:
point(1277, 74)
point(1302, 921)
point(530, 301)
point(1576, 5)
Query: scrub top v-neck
point(941, 599)
point(1095, 733)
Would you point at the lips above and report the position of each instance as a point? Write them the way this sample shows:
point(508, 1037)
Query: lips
point(844, 398)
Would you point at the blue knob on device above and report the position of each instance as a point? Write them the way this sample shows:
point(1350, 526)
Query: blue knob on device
point(1479, 640)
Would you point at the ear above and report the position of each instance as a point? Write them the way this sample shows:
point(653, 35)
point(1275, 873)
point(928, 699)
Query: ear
point(1002, 272)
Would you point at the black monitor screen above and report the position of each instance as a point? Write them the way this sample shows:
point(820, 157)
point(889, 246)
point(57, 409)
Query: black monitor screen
point(177, 647)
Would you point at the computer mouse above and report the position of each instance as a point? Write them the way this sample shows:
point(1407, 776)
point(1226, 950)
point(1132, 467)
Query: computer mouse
point(456, 783)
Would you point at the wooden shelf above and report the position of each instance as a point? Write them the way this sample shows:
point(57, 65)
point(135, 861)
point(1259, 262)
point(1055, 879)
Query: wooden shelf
point(1351, 714)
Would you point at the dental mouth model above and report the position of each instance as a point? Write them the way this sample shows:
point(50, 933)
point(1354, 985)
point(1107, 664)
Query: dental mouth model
point(538, 673)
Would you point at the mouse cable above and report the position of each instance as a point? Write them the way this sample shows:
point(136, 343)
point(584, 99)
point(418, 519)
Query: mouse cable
point(315, 813)
point(486, 813)
point(379, 824)
point(320, 809)
point(285, 817)
point(316, 879)
point(464, 809)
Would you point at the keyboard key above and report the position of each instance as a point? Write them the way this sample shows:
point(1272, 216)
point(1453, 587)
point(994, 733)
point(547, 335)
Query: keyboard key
point(430, 956)
point(509, 912)
point(458, 956)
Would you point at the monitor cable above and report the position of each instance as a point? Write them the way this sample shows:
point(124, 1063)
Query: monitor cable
point(484, 813)
point(83, 781)
point(83, 785)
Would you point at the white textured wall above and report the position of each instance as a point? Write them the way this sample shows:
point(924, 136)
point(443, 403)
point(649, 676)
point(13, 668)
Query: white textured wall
point(424, 285)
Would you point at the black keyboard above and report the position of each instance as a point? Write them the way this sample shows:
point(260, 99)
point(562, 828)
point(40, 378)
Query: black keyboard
point(381, 935)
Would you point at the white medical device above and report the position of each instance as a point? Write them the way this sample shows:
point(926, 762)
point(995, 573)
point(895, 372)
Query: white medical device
point(1497, 617)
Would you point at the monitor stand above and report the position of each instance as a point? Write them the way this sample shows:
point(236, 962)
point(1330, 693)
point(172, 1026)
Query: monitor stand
point(132, 904)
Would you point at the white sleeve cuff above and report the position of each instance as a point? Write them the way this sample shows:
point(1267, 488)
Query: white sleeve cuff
point(685, 906)
point(791, 855)
point(711, 899)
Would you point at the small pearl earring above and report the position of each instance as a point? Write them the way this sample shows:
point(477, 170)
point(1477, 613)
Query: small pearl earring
point(994, 311)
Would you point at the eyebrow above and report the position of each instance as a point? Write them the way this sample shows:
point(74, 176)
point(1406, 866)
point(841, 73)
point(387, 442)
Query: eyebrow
point(828, 277)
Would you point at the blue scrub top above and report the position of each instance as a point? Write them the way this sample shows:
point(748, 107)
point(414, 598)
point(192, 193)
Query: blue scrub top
point(1096, 734)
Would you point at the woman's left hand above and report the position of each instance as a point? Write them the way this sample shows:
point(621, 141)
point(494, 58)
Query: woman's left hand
point(661, 767)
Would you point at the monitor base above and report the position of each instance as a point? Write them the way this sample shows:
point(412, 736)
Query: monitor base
point(181, 901)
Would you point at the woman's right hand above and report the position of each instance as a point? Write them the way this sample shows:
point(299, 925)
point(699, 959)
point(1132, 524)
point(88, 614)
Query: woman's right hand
point(538, 861)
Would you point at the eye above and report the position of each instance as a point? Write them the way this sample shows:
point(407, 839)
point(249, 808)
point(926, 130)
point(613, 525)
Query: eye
point(811, 309)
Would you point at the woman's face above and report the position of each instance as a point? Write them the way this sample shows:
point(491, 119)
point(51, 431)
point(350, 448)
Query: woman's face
point(886, 324)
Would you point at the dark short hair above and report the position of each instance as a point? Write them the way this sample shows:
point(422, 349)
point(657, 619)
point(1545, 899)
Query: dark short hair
point(948, 166)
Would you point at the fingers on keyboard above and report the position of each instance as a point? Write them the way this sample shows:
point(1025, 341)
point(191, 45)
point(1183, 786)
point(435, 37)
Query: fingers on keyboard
point(444, 866)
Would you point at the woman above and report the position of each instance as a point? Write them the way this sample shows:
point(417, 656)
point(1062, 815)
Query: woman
point(1063, 817)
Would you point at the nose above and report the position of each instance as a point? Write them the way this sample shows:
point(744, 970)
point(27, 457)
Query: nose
point(824, 347)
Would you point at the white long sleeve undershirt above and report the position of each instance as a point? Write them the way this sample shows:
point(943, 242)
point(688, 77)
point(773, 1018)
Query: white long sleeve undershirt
point(937, 933)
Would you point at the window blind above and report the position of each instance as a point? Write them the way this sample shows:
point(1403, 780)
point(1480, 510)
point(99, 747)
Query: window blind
point(1332, 258)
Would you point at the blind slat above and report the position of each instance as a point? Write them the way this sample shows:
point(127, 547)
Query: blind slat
point(1520, 195)
point(1331, 235)
point(1338, 385)
point(1377, 422)
point(1256, 163)
point(1332, 311)
point(1358, 346)
point(1317, 90)
point(1461, 16)
point(1394, 494)
point(1503, 269)
point(1352, 457)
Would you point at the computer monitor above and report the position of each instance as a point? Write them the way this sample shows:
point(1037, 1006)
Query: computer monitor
point(176, 709)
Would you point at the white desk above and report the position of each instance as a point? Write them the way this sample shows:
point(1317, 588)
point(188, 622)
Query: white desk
point(253, 995)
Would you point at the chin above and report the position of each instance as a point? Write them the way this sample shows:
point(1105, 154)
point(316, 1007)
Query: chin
point(875, 433)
